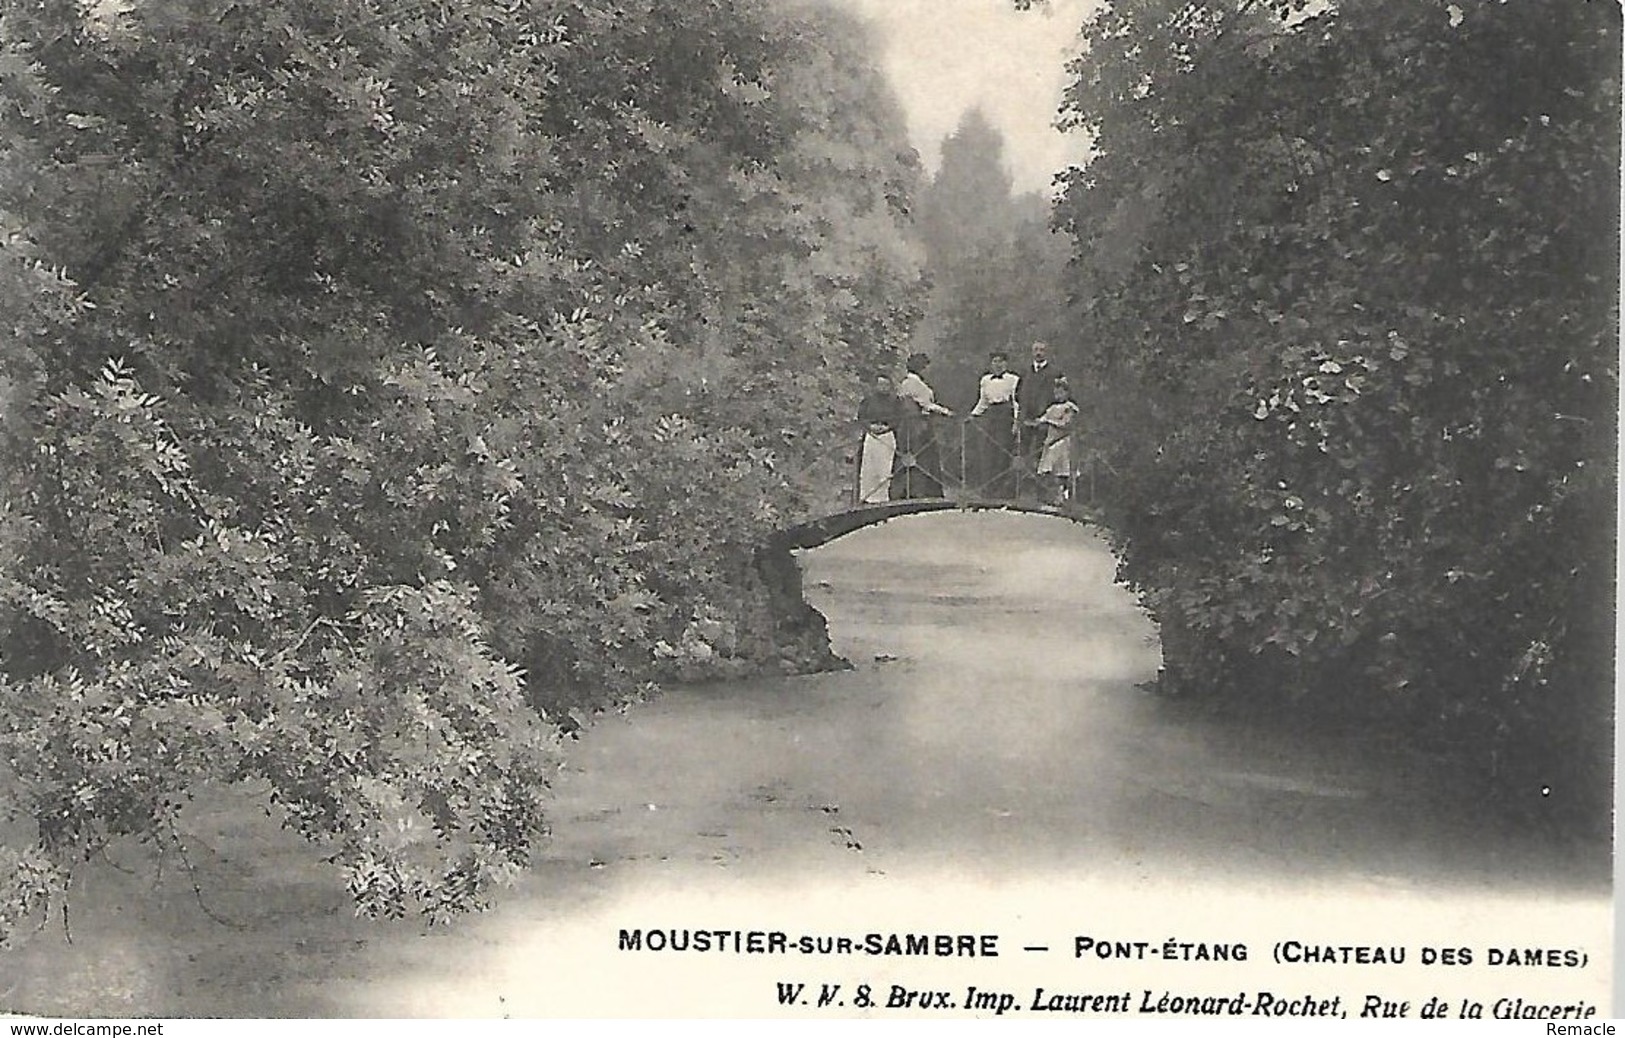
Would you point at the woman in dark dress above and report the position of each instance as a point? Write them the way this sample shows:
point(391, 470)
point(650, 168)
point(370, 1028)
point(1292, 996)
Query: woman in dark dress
point(879, 412)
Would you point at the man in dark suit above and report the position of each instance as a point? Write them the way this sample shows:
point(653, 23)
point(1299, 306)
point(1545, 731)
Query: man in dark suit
point(1033, 394)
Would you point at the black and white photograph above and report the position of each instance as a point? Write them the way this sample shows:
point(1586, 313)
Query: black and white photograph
point(809, 510)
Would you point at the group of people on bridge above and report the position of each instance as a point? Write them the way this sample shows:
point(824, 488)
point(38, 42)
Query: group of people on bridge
point(1017, 437)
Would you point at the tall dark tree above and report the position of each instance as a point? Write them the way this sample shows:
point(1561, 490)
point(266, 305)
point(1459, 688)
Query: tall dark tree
point(967, 205)
point(994, 262)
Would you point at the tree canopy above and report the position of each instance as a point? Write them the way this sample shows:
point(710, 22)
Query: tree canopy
point(996, 268)
point(1352, 275)
point(387, 387)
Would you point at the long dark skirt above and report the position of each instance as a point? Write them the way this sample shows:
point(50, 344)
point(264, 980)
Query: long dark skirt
point(992, 447)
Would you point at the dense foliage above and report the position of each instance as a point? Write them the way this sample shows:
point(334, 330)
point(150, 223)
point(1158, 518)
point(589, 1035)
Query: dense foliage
point(384, 386)
point(1352, 274)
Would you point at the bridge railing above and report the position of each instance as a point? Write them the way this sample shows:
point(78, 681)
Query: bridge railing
point(972, 461)
point(965, 462)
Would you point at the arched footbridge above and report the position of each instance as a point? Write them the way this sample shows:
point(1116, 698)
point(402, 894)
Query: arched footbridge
point(812, 533)
point(955, 466)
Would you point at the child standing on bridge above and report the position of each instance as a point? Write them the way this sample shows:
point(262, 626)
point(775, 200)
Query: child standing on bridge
point(1055, 459)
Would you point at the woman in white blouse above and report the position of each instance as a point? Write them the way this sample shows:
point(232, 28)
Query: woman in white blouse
point(919, 466)
point(996, 422)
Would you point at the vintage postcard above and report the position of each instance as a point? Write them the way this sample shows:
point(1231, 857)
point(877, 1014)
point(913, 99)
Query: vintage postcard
point(809, 509)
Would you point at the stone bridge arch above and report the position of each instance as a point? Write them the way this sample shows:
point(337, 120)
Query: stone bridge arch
point(798, 622)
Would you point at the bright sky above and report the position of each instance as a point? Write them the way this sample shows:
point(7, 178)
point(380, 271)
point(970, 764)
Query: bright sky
point(946, 56)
